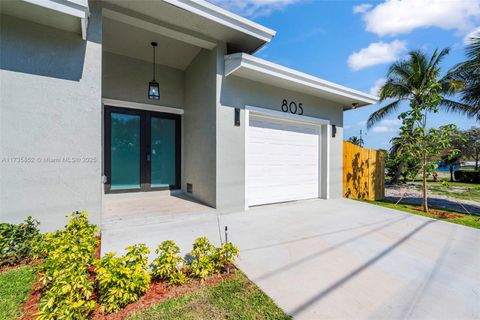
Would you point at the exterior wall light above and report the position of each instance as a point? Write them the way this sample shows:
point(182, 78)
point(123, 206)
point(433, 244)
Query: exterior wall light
point(153, 87)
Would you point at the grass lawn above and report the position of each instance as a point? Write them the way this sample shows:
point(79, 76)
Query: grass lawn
point(459, 190)
point(15, 285)
point(235, 298)
point(466, 219)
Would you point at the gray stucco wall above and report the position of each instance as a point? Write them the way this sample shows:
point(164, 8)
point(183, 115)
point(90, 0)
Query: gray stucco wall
point(199, 148)
point(236, 93)
point(127, 79)
point(50, 113)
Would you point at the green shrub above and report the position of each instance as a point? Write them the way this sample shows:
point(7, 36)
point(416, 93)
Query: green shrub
point(168, 265)
point(16, 241)
point(204, 259)
point(226, 256)
point(471, 176)
point(68, 255)
point(122, 280)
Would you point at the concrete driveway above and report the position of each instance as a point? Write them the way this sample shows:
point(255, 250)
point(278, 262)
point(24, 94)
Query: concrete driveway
point(336, 259)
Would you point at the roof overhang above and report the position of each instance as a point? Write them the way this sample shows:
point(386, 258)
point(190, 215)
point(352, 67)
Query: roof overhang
point(201, 18)
point(69, 15)
point(253, 68)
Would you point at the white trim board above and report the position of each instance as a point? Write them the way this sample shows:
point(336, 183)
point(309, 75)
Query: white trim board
point(74, 8)
point(253, 68)
point(141, 106)
point(287, 116)
point(214, 13)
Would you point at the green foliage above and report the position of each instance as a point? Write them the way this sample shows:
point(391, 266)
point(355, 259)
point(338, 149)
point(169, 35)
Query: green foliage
point(471, 176)
point(468, 72)
point(122, 280)
point(356, 140)
point(67, 256)
point(205, 259)
point(417, 80)
point(16, 241)
point(226, 256)
point(168, 265)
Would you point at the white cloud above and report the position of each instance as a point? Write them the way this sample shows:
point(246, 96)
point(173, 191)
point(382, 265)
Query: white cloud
point(362, 8)
point(391, 122)
point(377, 85)
point(253, 8)
point(362, 123)
point(475, 32)
point(376, 53)
point(387, 126)
point(382, 129)
point(394, 17)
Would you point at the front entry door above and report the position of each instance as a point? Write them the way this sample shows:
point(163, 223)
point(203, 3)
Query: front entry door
point(142, 150)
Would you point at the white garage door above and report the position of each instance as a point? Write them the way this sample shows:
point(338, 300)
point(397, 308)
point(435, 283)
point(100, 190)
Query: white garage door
point(282, 161)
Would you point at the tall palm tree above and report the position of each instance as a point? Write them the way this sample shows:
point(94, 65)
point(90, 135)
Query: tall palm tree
point(411, 79)
point(469, 73)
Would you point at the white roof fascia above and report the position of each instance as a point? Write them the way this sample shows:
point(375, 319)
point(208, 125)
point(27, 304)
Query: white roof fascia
point(238, 61)
point(224, 17)
point(75, 8)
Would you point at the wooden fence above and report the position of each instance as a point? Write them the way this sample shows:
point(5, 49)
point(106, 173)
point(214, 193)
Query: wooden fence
point(363, 172)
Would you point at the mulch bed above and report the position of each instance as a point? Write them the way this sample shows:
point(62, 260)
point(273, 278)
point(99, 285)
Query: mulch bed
point(31, 306)
point(441, 214)
point(20, 264)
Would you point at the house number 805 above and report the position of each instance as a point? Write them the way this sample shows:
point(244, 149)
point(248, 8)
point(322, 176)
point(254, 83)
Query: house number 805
point(292, 107)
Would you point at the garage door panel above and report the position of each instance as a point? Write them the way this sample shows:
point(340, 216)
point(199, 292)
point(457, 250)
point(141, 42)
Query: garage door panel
point(282, 161)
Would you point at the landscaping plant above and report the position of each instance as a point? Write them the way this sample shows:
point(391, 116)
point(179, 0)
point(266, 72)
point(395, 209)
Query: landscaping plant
point(68, 255)
point(123, 280)
point(168, 265)
point(417, 80)
point(16, 241)
point(226, 256)
point(204, 259)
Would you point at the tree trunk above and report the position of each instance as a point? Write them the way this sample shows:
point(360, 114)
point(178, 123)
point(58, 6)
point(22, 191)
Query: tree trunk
point(396, 177)
point(476, 164)
point(451, 173)
point(424, 185)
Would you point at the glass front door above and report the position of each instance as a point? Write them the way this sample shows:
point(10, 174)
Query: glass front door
point(142, 150)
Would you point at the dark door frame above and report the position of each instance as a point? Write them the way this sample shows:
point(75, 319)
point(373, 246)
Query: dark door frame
point(145, 131)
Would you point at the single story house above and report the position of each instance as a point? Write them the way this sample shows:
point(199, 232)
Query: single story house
point(103, 97)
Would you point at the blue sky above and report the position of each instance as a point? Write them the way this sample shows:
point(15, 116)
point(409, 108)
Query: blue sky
point(353, 43)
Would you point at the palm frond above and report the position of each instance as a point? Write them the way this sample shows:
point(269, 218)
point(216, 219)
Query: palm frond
point(382, 113)
point(394, 89)
point(459, 107)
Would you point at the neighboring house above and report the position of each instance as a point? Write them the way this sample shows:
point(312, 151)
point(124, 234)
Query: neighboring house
point(231, 129)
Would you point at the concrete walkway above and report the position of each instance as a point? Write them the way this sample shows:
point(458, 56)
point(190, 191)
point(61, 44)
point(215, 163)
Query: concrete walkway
point(336, 259)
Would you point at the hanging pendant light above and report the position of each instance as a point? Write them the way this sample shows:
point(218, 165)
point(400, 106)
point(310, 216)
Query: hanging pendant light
point(153, 87)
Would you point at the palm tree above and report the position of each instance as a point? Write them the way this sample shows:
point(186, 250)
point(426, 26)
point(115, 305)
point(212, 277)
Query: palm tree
point(356, 140)
point(411, 79)
point(469, 73)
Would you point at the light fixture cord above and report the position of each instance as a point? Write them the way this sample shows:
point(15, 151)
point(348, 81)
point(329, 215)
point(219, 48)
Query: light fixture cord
point(153, 63)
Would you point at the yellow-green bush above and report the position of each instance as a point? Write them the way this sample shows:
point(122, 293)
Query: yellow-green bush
point(168, 265)
point(67, 256)
point(226, 255)
point(122, 280)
